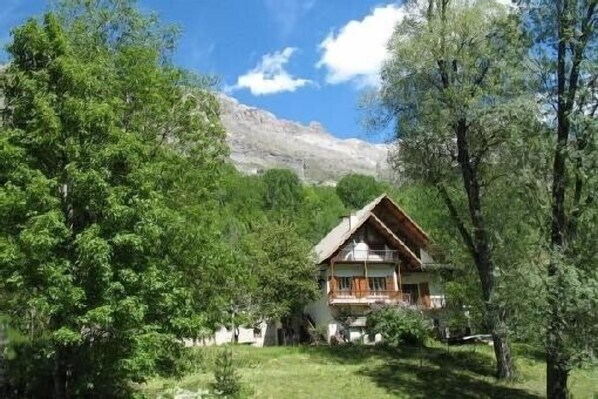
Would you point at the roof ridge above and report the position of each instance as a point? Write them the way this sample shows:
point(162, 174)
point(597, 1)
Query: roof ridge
point(343, 231)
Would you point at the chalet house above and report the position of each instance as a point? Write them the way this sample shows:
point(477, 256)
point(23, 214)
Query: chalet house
point(378, 255)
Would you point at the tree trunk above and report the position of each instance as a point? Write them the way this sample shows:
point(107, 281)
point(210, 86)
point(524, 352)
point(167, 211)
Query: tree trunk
point(479, 243)
point(556, 378)
point(496, 325)
point(502, 352)
point(556, 374)
point(557, 369)
point(59, 375)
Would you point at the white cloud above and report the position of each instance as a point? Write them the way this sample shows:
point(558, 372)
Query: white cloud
point(358, 49)
point(270, 76)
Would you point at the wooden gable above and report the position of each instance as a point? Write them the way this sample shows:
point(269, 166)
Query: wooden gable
point(377, 235)
point(389, 221)
point(401, 224)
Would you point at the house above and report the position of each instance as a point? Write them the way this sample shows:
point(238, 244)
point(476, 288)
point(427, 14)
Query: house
point(376, 256)
point(263, 334)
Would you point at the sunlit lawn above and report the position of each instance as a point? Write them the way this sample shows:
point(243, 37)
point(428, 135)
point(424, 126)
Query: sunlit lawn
point(373, 372)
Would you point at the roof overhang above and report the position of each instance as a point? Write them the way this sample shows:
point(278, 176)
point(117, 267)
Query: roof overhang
point(330, 245)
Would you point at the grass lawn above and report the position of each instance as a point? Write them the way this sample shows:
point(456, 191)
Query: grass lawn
point(373, 372)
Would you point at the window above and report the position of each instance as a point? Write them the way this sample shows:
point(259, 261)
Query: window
point(344, 285)
point(410, 293)
point(377, 285)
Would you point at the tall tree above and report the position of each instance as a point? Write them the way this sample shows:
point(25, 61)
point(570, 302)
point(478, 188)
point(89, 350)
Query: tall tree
point(321, 210)
point(282, 190)
point(282, 266)
point(100, 132)
point(566, 54)
point(356, 190)
point(456, 88)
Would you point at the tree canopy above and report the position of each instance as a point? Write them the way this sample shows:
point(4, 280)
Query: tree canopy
point(357, 190)
point(125, 230)
point(92, 138)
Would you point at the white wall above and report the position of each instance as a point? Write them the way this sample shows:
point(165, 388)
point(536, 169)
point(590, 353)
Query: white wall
point(320, 311)
point(433, 280)
point(224, 336)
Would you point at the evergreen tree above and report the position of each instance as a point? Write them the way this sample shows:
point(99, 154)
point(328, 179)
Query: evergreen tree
point(282, 190)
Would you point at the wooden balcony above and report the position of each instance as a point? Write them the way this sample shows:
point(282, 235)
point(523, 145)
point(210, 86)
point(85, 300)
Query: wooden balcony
point(366, 297)
point(368, 255)
point(369, 297)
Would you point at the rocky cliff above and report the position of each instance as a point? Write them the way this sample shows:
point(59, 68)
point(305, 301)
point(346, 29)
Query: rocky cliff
point(258, 140)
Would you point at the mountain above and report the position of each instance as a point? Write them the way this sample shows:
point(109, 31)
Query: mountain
point(258, 140)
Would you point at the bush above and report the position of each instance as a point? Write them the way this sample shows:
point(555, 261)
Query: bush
point(319, 334)
point(399, 326)
point(227, 381)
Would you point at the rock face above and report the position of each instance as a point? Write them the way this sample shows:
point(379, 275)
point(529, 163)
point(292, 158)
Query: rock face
point(258, 141)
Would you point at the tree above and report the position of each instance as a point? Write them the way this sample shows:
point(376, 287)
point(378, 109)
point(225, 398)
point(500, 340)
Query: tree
point(566, 55)
point(282, 190)
point(281, 265)
point(357, 190)
point(321, 210)
point(456, 88)
point(100, 133)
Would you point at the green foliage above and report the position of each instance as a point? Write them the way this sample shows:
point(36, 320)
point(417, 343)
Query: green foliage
point(282, 190)
point(464, 108)
point(102, 148)
point(399, 325)
point(566, 57)
point(226, 379)
point(279, 270)
point(321, 211)
point(356, 190)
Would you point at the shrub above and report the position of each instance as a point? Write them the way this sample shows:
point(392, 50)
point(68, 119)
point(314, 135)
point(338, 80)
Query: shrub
point(319, 334)
point(227, 381)
point(399, 326)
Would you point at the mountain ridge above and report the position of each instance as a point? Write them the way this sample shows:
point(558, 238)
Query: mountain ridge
point(259, 140)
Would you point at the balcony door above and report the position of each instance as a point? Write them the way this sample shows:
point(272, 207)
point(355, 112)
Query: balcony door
point(345, 286)
point(377, 286)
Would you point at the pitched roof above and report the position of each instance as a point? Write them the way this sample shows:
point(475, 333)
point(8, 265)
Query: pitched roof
point(407, 218)
point(402, 248)
point(344, 230)
point(339, 235)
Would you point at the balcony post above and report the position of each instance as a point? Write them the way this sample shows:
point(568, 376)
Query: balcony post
point(400, 282)
point(332, 277)
point(365, 271)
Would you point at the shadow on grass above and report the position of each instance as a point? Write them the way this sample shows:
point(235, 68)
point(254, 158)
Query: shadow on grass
point(432, 382)
point(529, 351)
point(425, 373)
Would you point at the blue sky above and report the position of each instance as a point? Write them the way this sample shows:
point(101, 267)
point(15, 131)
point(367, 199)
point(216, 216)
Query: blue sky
point(303, 60)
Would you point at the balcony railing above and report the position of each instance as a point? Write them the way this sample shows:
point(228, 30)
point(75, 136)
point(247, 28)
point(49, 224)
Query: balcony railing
point(365, 297)
point(369, 255)
point(338, 297)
